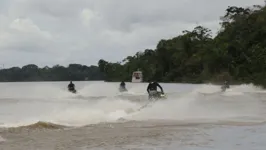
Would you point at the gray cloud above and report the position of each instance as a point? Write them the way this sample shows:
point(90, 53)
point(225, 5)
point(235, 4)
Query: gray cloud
point(48, 32)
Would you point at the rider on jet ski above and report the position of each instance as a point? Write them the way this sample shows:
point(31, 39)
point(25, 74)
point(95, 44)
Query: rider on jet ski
point(152, 89)
point(122, 86)
point(71, 86)
point(225, 86)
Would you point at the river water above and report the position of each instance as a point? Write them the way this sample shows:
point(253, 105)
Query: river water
point(44, 116)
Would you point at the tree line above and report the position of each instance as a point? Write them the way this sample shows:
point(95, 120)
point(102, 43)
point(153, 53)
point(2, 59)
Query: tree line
point(237, 53)
point(32, 72)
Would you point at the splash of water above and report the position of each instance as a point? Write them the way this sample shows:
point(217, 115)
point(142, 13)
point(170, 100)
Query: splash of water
point(54, 104)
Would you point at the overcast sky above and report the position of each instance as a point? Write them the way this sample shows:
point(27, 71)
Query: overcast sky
point(50, 32)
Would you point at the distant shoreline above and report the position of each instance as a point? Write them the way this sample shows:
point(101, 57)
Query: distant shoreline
point(210, 83)
point(51, 81)
point(213, 83)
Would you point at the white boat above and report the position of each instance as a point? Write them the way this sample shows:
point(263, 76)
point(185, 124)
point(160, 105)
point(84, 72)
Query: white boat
point(137, 77)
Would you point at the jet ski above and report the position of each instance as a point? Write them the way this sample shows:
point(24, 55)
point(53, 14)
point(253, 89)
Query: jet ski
point(157, 95)
point(122, 89)
point(72, 90)
point(224, 87)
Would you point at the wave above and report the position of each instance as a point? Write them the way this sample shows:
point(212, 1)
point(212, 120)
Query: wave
point(39, 125)
point(42, 125)
point(2, 139)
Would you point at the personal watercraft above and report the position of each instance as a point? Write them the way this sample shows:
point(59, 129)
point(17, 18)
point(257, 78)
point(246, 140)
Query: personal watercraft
point(122, 89)
point(72, 90)
point(157, 95)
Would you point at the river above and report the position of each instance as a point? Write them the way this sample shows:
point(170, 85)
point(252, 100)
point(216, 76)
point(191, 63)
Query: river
point(44, 116)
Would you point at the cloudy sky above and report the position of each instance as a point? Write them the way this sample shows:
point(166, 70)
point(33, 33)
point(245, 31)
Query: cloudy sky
point(49, 32)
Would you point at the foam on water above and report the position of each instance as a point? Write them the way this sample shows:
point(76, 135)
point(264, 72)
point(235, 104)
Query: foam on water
point(2, 139)
point(52, 103)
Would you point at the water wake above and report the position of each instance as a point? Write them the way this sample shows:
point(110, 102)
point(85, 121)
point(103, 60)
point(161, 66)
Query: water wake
point(55, 108)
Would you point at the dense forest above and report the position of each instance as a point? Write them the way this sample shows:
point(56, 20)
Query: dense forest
point(32, 72)
point(237, 53)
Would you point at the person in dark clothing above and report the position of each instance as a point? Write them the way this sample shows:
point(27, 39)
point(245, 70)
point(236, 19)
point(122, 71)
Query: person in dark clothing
point(225, 86)
point(152, 89)
point(122, 84)
point(122, 87)
point(71, 86)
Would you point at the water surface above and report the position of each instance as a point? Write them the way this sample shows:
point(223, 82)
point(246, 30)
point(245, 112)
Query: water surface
point(44, 116)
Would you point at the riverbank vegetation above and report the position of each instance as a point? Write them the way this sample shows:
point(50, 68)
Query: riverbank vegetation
point(237, 53)
point(32, 72)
